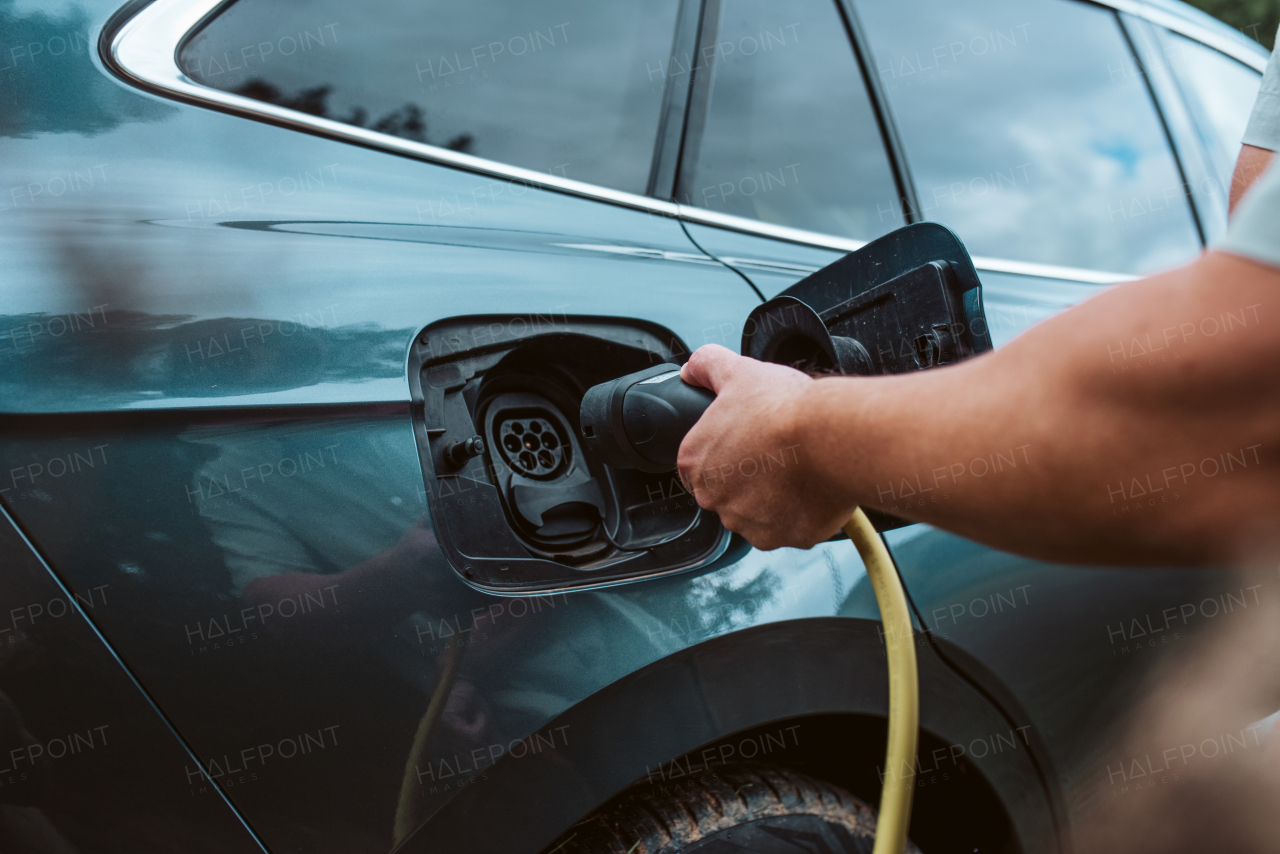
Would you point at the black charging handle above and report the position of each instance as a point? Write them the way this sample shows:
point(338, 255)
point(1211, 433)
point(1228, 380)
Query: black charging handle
point(907, 301)
point(638, 421)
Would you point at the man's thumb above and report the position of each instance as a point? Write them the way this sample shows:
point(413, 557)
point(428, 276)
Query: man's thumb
point(709, 366)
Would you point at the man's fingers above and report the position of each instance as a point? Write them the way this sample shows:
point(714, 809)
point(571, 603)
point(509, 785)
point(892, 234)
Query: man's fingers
point(708, 366)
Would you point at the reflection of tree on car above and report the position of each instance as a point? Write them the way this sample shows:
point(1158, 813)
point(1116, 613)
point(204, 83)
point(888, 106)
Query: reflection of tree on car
point(408, 121)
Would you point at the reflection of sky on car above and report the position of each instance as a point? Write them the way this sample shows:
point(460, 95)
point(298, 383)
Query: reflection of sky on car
point(1040, 103)
point(558, 85)
point(1220, 90)
point(790, 136)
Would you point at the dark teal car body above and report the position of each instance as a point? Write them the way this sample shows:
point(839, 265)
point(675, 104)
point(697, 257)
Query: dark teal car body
point(228, 616)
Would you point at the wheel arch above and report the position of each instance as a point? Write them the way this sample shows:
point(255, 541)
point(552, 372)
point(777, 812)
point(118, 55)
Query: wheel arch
point(822, 676)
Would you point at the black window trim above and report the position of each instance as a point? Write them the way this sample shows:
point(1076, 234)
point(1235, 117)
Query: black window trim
point(699, 104)
point(699, 92)
point(673, 120)
point(141, 44)
point(893, 145)
point(1145, 69)
point(1198, 160)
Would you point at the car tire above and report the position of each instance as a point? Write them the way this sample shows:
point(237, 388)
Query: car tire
point(730, 810)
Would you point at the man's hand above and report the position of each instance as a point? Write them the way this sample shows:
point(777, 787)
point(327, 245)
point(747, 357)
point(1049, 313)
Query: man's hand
point(746, 459)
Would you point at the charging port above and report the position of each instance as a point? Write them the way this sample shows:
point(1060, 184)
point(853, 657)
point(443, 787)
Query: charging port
point(533, 443)
point(529, 510)
point(550, 494)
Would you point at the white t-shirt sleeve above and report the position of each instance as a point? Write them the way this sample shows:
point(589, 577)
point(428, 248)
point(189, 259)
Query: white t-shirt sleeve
point(1255, 228)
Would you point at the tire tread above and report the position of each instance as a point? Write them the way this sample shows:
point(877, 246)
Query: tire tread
point(647, 819)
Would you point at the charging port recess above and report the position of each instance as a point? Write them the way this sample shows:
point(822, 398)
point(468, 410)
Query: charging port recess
point(517, 506)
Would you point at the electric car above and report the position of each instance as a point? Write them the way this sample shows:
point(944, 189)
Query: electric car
point(300, 548)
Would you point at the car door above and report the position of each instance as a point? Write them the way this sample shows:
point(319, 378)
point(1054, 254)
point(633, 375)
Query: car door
point(1137, 214)
point(1031, 130)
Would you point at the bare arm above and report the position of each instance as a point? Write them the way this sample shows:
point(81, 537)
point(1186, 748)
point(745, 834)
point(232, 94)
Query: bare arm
point(1163, 392)
point(1250, 165)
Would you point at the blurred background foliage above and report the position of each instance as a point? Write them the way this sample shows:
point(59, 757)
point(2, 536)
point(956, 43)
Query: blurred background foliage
point(1257, 19)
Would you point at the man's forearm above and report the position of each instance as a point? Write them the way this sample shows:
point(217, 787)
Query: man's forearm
point(1129, 429)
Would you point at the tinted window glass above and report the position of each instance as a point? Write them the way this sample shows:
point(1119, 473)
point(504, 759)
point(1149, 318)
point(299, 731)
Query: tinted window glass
point(790, 136)
point(1030, 131)
point(1220, 92)
point(559, 86)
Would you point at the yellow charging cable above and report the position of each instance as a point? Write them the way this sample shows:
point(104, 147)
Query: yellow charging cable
point(904, 686)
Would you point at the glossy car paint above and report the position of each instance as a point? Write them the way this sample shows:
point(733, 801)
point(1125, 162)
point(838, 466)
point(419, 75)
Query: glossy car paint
point(76, 726)
point(191, 299)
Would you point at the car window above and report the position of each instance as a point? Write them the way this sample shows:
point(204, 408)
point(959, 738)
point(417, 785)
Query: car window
point(790, 136)
point(1220, 92)
point(1031, 132)
point(568, 87)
